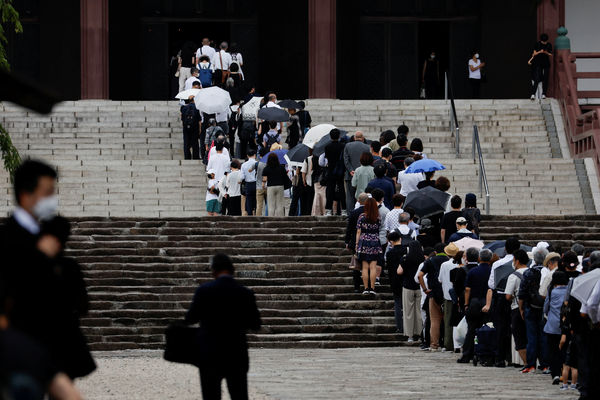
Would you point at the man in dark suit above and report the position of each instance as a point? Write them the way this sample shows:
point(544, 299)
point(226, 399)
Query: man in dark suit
point(225, 310)
point(352, 153)
point(26, 258)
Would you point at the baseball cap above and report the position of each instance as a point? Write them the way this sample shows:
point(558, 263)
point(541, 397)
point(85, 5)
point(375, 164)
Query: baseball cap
point(210, 172)
point(461, 220)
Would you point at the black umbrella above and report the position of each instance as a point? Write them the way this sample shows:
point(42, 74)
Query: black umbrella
point(273, 114)
point(427, 201)
point(498, 247)
point(319, 147)
point(289, 104)
point(298, 154)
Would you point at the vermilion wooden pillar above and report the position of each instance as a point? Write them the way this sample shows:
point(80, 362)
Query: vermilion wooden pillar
point(94, 49)
point(322, 49)
point(550, 16)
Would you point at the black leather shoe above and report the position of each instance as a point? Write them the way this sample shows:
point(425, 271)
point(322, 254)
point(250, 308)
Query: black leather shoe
point(463, 360)
point(500, 364)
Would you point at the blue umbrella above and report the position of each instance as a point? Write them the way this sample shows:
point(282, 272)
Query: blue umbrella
point(425, 165)
point(280, 154)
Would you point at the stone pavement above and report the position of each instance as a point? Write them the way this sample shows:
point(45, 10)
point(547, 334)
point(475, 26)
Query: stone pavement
point(365, 373)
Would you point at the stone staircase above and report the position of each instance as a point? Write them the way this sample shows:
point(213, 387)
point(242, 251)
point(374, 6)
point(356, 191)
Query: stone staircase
point(123, 159)
point(142, 273)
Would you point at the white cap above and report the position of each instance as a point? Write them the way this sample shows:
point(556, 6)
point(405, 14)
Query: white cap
point(210, 172)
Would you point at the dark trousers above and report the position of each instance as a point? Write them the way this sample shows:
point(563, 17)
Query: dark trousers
point(475, 319)
point(295, 203)
point(475, 88)
point(335, 192)
point(306, 200)
point(540, 74)
point(356, 279)
point(190, 141)
point(555, 356)
point(427, 324)
point(398, 312)
point(237, 384)
point(501, 318)
point(250, 197)
point(536, 339)
point(224, 205)
point(234, 205)
point(202, 147)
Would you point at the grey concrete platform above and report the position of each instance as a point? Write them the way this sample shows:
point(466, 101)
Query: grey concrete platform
point(382, 373)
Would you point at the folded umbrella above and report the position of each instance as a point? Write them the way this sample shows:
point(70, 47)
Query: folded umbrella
point(467, 242)
point(289, 104)
point(584, 284)
point(212, 100)
point(498, 247)
point(315, 134)
point(502, 273)
point(297, 155)
point(273, 114)
point(280, 155)
point(427, 201)
point(425, 165)
point(250, 109)
point(187, 93)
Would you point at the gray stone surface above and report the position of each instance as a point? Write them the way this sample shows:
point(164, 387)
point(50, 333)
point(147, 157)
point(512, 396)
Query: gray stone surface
point(383, 373)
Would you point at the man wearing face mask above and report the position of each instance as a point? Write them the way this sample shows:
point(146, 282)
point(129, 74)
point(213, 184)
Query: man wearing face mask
point(475, 66)
point(26, 264)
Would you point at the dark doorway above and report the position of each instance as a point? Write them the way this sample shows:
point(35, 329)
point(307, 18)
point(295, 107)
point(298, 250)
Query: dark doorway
point(434, 38)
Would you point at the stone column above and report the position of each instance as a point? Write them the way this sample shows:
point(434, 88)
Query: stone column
point(322, 49)
point(94, 49)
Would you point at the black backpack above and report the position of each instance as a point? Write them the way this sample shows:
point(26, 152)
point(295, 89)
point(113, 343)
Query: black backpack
point(529, 291)
point(406, 239)
point(189, 117)
point(271, 140)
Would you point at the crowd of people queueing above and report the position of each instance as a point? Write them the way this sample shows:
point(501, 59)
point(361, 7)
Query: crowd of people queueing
point(498, 306)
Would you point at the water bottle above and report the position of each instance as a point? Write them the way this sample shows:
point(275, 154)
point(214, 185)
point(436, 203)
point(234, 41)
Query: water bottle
point(476, 341)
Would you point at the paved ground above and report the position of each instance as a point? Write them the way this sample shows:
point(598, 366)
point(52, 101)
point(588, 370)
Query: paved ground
point(383, 373)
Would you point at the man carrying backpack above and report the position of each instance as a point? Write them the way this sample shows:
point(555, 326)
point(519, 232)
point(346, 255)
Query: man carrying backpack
point(531, 306)
point(271, 137)
point(399, 155)
point(190, 118)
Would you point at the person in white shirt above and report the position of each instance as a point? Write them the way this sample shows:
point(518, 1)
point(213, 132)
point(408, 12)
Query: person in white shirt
point(218, 162)
point(234, 192)
point(213, 206)
point(408, 182)
point(205, 50)
point(221, 61)
point(249, 172)
point(213, 150)
point(236, 57)
point(512, 290)
point(194, 78)
point(392, 218)
point(551, 263)
point(455, 260)
point(475, 66)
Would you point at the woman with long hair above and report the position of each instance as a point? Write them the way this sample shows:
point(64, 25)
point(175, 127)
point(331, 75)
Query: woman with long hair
point(368, 247)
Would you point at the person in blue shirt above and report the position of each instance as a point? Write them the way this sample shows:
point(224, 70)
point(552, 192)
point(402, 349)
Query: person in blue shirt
point(385, 184)
point(552, 329)
point(462, 231)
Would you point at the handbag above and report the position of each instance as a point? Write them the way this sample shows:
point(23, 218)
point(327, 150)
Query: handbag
point(354, 263)
point(182, 344)
point(287, 183)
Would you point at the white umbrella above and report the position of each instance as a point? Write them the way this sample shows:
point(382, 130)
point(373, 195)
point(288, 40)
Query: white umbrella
point(467, 242)
point(187, 93)
point(584, 284)
point(315, 134)
point(250, 109)
point(212, 100)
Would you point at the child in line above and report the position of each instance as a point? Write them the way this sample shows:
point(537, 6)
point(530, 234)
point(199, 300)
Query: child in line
point(213, 207)
point(234, 192)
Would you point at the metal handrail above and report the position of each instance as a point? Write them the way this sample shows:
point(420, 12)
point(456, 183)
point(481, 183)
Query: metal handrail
point(483, 182)
point(454, 127)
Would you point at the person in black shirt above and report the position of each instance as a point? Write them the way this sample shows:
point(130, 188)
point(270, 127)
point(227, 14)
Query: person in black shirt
point(448, 224)
point(304, 119)
point(190, 118)
point(411, 294)
point(540, 63)
point(336, 195)
point(393, 258)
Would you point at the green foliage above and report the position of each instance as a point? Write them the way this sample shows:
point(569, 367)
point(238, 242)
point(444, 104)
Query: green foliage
point(10, 154)
point(9, 17)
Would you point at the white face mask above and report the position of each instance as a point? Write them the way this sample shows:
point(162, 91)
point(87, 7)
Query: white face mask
point(46, 208)
point(432, 56)
point(477, 55)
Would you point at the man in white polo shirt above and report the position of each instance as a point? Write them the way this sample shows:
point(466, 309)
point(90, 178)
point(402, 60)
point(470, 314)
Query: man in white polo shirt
point(221, 62)
point(205, 50)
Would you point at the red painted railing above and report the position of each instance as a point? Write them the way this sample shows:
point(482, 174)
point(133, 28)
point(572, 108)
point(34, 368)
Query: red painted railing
point(582, 128)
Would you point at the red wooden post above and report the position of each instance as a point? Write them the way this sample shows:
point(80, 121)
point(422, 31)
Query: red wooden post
point(322, 49)
point(94, 49)
point(550, 16)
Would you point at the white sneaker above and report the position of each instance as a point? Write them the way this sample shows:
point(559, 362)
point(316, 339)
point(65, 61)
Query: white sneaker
point(564, 386)
point(532, 97)
point(543, 96)
point(344, 213)
point(410, 340)
point(328, 213)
